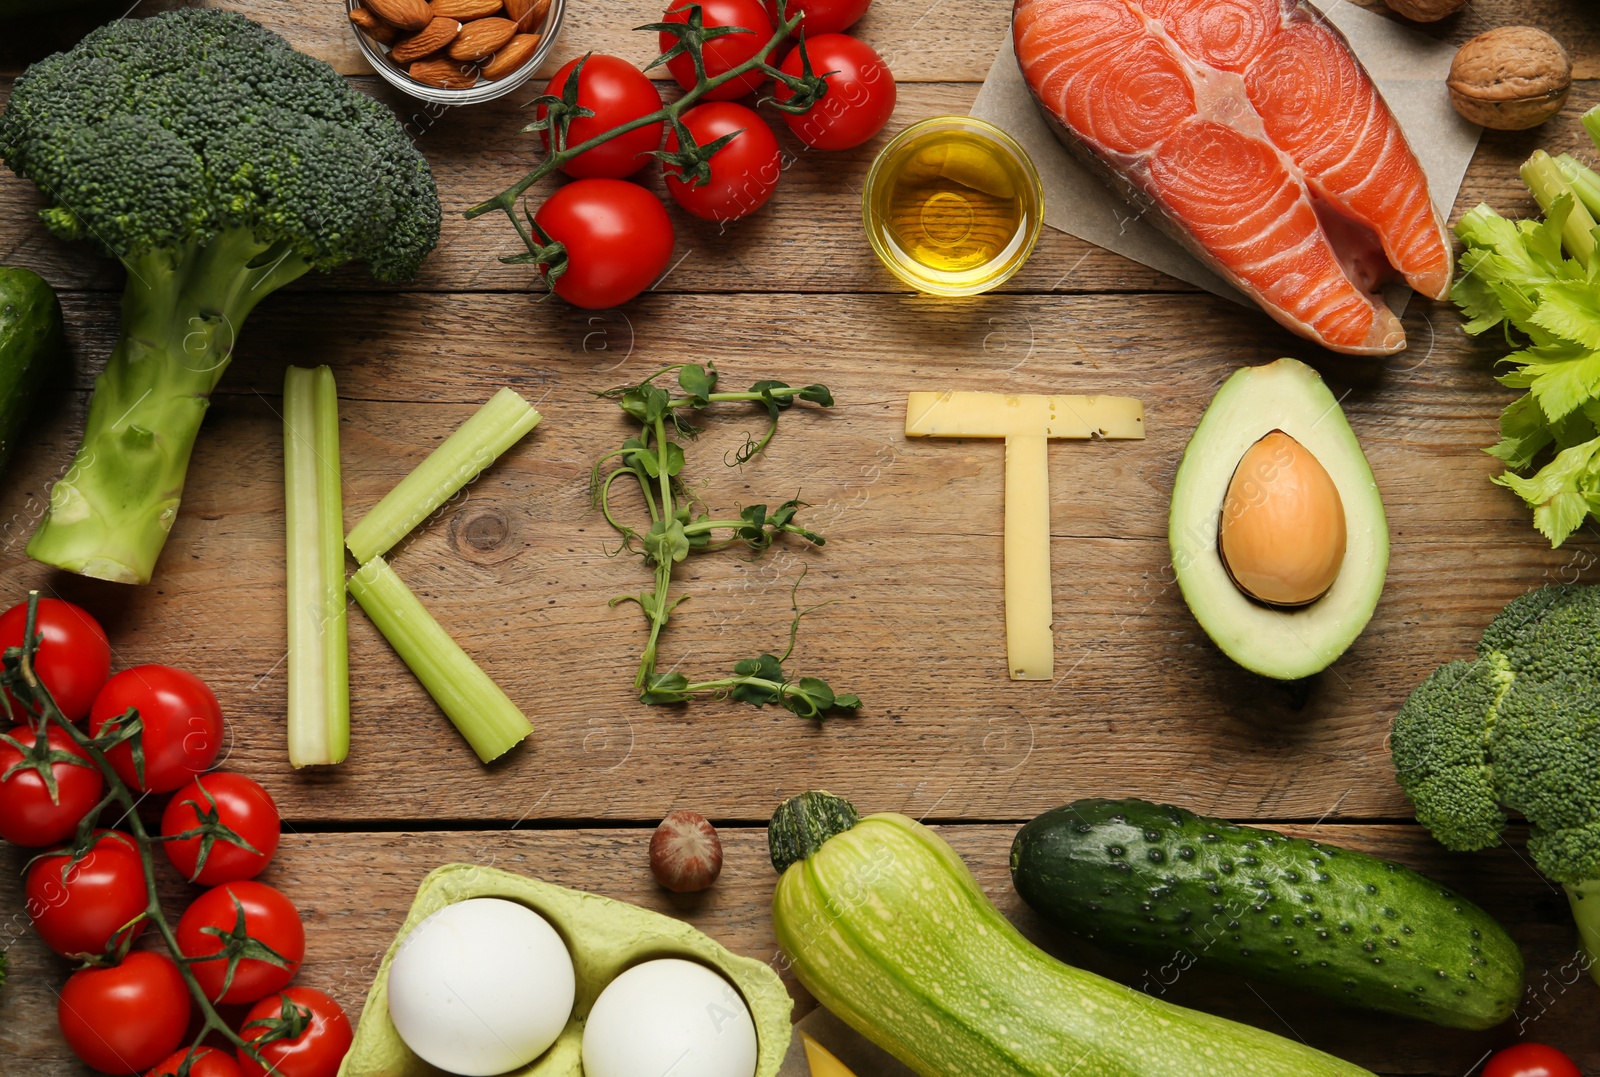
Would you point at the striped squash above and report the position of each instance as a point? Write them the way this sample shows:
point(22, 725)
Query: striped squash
point(885, 925)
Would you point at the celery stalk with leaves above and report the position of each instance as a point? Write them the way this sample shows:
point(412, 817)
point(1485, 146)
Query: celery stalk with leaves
point(1539, 283)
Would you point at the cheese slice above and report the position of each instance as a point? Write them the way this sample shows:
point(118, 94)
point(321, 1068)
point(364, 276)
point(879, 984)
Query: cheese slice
point(1027, 423)
point(998, 415)
point(1030, 645)
point(820, 1060)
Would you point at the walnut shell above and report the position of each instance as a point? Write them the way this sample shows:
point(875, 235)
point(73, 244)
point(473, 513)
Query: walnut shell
point(1510, 79)
point(1425, 10)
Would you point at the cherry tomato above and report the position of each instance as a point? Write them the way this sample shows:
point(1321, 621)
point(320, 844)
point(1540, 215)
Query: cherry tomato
point(182, 725)
point(618, 239)
point(1531, 1060)
point(126, 1018)
point(82, 908)
point(822, 16)
point(721, 54)
point(618, 93)
point(74, 656)
point(270, 920)
point(744, 173)
point(232, 801)
point(860, 97)
point(208, 1062)
point(315, 1052)
point(28, 814)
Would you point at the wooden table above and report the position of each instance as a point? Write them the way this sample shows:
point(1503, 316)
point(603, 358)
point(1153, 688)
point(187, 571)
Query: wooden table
point(519, 570)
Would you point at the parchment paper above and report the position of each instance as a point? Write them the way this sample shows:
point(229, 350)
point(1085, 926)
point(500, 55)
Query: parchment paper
point(1408, 66)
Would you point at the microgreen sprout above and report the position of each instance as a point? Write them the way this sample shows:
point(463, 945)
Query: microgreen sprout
point(679, 526)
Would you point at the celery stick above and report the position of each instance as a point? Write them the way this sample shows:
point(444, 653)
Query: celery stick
point(1582, 180)
point(1591, 124)
point(319, 665)
point(475, 445)
point(483, 713)
point(1543, 177)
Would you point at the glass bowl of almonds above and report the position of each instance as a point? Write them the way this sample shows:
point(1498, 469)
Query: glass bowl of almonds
point(455, 52)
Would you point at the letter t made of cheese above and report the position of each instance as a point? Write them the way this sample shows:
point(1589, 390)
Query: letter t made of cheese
point(1027, 423)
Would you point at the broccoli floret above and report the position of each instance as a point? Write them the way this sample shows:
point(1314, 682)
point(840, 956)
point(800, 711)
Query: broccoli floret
point(1517, 730)
point(218, 164)
point(1439, 758)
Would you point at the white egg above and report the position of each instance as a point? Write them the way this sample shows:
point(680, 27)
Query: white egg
point(669, 1018)
point(481, 987)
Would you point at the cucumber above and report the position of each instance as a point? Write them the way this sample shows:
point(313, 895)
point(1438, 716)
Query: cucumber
point(30, 349)
point(886, 927)
point(1164, 883)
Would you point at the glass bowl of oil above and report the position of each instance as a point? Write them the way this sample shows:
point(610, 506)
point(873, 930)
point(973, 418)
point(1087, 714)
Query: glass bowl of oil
point(953, 206)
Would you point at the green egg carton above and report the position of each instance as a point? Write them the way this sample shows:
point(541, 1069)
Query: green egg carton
point(605, 938)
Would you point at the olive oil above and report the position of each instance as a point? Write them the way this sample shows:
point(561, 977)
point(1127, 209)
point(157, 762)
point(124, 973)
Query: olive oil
point(952, 208)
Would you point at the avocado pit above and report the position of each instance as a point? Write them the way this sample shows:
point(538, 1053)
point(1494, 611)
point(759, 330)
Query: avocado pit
point(1282, 533)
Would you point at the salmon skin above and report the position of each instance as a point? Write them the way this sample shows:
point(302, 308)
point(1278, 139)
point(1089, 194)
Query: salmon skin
point(1250, 133)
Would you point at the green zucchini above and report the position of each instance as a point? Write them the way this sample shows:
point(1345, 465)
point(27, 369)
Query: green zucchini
point(30, 349)
point(1166, 884)
point(884, 924)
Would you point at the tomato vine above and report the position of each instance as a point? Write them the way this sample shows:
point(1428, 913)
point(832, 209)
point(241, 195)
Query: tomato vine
point(803, 91)
point(41, 713)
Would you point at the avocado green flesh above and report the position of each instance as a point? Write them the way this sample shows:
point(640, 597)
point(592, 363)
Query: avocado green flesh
point(1165, 884)
point(1280, 642)
point(605, 938)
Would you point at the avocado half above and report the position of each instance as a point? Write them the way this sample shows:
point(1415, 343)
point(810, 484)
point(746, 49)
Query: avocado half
point(1283, 643)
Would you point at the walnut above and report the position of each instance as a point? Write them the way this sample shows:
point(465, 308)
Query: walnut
point(1510, 79)
point(1425, 10)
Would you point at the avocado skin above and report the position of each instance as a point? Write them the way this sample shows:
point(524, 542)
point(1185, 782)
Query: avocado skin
point(1164, 883)
point(31, 348)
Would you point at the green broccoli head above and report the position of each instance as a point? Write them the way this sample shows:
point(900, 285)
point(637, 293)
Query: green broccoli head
point(1517, 730)
point(161, 133)
point(1440, 742)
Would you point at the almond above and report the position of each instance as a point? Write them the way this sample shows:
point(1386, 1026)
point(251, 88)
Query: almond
point(482, 38)
point(373, 27)
point(528, 14)
point(446, 74)
point(465, 10)
point(516, 52)
point(433, 37)
point(406, 14)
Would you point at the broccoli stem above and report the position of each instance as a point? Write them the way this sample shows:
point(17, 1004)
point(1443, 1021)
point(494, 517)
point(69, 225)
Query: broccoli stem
point(181, 313)
point(1584, 898)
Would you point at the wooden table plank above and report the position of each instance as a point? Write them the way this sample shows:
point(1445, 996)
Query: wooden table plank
point(520, 569)
point(354, 889)
point(924, 41)
point(807, 239)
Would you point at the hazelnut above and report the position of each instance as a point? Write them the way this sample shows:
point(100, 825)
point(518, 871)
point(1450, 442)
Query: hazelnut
point(1510, 79)
point(1425, 10)
point(685, 852)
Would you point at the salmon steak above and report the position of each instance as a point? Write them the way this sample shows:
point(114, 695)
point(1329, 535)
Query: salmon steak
point(1249, 132)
